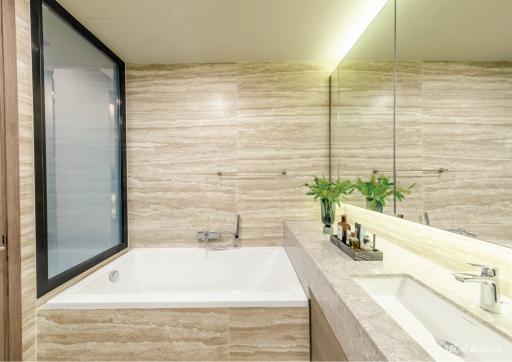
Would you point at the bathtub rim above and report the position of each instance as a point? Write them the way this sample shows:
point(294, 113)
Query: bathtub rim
point(164, 301)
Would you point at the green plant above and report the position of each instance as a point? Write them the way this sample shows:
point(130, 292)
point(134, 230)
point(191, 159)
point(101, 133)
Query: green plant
point(378, 188)
point(323, 189)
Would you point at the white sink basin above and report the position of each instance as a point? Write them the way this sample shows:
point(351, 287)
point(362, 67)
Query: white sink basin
point(433, 321)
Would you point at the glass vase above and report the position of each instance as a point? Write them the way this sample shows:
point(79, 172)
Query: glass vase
point(328, 210)
point(370, 205)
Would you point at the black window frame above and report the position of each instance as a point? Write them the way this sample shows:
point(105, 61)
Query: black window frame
point(44, 284)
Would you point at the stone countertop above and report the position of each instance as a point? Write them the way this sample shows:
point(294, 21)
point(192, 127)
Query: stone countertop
point(364, 330)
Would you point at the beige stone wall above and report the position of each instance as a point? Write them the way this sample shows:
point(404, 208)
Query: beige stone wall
point(250, 121)
point(26, 149)
point(451, 115)
point(213, 334)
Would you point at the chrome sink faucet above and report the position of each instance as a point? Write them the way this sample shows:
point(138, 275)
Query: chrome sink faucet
point(489, 287)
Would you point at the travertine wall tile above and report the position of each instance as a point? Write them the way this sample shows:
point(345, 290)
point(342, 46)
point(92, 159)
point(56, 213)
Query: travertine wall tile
point(207, 334)
point(265, 202)
point(248, 120)
point(283, 125)
point(182, 116)
point(269, 334)
point(26, 149)
point(282, 113)
point(133, 334)
point(181, 129)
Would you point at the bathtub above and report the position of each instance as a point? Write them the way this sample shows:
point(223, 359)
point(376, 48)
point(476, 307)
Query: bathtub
point(181, 304)
point(189, 278)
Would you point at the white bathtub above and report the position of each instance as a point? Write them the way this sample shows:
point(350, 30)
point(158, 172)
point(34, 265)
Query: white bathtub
point(189, 277)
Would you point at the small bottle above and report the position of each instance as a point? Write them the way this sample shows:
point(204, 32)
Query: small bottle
point(365, 244)
point(343, 228)
point(354, 241)
point(340, 229)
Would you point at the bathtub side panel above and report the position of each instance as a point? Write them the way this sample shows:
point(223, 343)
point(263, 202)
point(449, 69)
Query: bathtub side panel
point(133, 334)
point(269, 334)
point(174, 334)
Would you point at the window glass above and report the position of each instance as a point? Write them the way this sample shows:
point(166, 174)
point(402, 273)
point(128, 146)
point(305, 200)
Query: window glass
point(82, 146)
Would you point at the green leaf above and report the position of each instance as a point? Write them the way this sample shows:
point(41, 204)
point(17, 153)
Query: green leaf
point(379, 188)
point(322, 188)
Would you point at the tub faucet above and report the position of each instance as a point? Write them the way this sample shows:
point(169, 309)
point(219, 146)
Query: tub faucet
point(206, 236)
point(427, 218)
point(489, 287)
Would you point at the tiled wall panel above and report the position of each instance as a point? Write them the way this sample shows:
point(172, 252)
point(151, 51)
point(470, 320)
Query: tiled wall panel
point(249, 121)
point(26, 149)
point(209, 334)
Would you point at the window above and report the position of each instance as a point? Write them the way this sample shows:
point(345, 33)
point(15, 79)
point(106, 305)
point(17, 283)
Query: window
point(79, 147)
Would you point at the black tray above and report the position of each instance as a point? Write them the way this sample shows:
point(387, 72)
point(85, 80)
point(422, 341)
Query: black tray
point(358, 254)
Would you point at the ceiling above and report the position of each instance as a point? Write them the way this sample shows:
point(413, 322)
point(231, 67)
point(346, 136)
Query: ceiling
point(472, 30)
point(212, 31)
point(460, 30)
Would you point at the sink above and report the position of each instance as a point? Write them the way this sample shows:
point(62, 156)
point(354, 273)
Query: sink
point(446, 332)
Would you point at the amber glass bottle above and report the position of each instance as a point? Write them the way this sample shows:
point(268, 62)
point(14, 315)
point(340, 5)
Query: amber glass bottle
point(354, 241)
point(343, 228)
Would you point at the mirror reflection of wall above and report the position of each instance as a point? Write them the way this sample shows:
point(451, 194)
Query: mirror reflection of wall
point(362, 107)
point(454, 114)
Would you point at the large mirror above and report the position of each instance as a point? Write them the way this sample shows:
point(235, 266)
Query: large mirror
point(362, 107)
point(448, 128)
point(454, 114)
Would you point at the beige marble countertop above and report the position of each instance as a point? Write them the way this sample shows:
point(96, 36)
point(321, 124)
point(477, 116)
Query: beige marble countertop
point(365, 330)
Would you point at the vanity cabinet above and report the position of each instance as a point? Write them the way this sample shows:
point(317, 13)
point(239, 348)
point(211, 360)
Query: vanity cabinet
point(324, 345)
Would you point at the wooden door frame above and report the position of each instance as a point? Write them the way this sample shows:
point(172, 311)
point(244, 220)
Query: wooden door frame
point(9, 125)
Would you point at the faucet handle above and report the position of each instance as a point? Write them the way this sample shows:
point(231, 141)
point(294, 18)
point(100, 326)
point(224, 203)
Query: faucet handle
point(485, 270)
point(201, 235)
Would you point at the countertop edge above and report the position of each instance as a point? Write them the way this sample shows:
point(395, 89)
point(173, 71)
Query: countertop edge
point(354, 337)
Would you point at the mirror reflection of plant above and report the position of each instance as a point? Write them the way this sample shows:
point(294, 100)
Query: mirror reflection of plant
point(377, 189)
point(331, 191)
